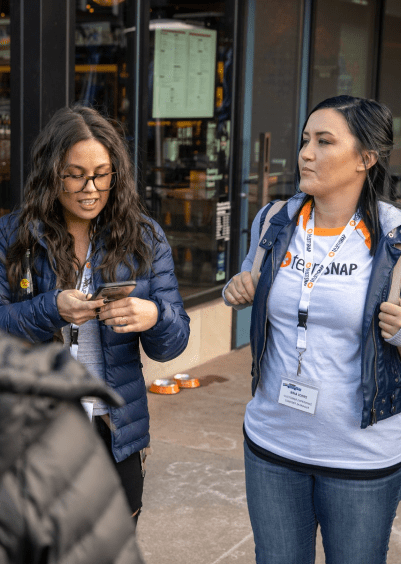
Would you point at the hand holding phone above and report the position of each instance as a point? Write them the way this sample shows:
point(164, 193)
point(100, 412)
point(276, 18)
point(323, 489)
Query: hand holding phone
point(74, 307)
point(129, 315)
point(112, 291)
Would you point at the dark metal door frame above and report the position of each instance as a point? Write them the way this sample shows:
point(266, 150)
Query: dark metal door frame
point(42, 81)
point(239, 170)
point(238, 108)
point(138, 68)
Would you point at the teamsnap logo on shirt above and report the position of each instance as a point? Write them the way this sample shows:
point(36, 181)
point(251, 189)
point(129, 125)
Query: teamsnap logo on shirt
point(294, 260)
point(336, 268)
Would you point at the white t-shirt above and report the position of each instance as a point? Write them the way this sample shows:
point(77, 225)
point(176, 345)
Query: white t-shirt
point(89, 350)
point(332, 362)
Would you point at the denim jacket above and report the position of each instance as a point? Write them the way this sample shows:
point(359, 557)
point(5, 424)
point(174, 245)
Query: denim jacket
point(380, 361)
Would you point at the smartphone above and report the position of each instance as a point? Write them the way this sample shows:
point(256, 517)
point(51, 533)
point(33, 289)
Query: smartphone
point(112, 291)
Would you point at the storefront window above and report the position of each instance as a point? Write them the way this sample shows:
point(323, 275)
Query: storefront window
point(188, 119)
point(5, 127)
point(390, 80)
point(342, 53)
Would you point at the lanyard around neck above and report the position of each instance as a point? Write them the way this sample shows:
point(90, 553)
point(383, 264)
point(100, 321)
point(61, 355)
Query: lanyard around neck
point(83, 287)
point(311, 278)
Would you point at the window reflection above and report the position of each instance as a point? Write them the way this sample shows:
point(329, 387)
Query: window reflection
point(189, 139)
point(274, 103)
point(5, 121)
point(390, 80)
point(343, 49)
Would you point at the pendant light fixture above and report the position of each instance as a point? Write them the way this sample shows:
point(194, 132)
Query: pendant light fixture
point(108, 3)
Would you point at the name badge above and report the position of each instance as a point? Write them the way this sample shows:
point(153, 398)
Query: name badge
point(297, 395)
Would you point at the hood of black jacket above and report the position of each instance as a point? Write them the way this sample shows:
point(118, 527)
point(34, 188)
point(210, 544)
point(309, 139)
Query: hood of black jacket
point(34, 383)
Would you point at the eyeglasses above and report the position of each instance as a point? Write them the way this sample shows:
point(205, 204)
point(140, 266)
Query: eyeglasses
point(76, 182)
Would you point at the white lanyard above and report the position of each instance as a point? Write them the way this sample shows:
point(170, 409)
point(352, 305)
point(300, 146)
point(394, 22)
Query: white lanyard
point(83, 287)
point(310, 278)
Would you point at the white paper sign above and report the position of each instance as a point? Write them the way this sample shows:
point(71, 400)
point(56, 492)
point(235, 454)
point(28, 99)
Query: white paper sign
point(184, 73)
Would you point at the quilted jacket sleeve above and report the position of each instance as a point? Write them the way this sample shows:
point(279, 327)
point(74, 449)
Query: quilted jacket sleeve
point(169, 337)
point(66, 503)
point(35, 320)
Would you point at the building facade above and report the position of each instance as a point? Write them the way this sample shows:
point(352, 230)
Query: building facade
point(211, 97)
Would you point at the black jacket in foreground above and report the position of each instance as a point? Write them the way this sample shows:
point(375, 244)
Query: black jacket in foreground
point(60, 498)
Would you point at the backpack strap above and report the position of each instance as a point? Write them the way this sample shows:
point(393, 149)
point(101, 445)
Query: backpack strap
point(395, 288)
point(260, 251)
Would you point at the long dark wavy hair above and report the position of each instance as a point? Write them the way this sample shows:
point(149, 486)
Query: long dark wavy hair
point(121, 225)
point(371, 123)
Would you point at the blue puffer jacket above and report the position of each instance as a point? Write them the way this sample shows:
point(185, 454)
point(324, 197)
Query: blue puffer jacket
point(380, 361)
point(38, 319)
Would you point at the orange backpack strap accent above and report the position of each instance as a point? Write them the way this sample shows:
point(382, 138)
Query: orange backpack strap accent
point(260, 251)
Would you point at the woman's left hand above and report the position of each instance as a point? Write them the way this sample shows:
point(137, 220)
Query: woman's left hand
point(390, 319)
point(129, 314)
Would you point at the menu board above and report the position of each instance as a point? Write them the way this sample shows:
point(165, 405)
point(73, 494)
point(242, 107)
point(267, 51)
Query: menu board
point(184, 73)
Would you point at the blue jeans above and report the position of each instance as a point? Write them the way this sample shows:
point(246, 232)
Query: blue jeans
point(355, 516)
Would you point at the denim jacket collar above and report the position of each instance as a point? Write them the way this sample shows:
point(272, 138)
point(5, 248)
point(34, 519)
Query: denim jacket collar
point(389, 216)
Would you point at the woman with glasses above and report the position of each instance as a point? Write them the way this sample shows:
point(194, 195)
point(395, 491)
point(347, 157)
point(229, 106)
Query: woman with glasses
point(81, 225)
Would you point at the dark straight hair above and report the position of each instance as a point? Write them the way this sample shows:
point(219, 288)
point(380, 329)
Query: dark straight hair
point(371, 123)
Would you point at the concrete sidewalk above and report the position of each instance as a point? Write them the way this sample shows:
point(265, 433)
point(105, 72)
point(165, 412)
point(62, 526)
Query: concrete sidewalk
point(194, 500)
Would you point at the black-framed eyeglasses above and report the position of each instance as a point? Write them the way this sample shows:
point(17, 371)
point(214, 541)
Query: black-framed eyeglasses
point(74, 183)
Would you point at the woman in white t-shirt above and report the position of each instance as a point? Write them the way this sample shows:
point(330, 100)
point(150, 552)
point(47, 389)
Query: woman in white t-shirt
point(322, 432)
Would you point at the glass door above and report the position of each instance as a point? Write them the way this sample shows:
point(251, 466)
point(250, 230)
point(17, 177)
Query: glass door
point(270, 125)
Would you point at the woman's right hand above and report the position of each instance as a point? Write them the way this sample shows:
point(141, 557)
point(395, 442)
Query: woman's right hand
point(75, 307)
point(241, 289)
